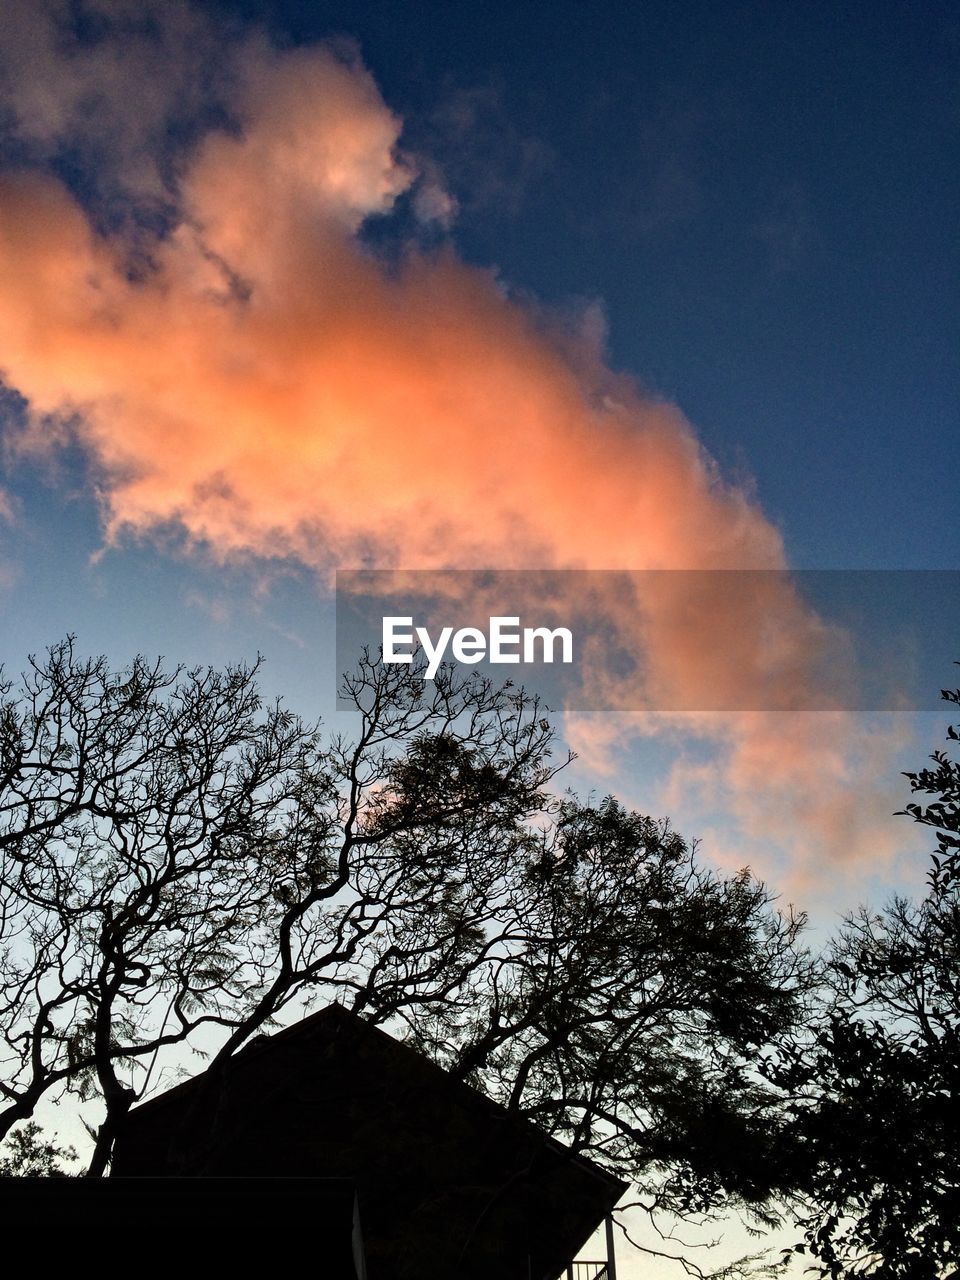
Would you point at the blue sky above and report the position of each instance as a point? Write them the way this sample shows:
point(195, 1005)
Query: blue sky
point(749, 207)
point(764, 197)
point(721, 239)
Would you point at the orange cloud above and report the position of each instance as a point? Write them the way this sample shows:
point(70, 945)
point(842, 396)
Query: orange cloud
point(271, 388)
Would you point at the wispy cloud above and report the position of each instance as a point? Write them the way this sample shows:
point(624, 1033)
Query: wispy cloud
point(263, 383)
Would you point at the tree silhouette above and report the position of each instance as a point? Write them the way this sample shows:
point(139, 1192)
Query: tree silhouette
point(175, 856)
point(878, 1119)
point(626, 1015)
point(29, 1154)
point(179, 860)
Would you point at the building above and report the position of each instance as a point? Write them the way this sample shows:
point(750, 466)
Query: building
point(449, 1185)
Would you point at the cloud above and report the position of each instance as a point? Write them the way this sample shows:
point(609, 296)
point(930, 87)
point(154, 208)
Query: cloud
point(105, 84)
point(9, 569)
point(493, 166)
point(265, 384)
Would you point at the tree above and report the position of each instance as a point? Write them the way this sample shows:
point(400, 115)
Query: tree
point(31, 1155)
point(135, 812)
point(626, 1014)
point(177, 859)
point(878, 1115)
point(175, 856)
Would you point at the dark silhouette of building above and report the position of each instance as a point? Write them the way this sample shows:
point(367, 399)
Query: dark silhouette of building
point(449, 1184)
point(183, 1225)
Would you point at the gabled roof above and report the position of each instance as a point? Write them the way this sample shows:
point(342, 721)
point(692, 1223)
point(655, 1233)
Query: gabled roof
point(450, 1184)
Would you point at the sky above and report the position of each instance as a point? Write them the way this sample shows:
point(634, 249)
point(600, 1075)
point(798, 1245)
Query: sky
point(292, 288)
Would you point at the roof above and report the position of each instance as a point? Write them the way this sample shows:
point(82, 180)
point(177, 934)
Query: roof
point(449, 1183)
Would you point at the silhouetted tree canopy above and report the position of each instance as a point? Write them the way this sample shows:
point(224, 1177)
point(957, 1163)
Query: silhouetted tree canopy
point(181, 864)
point(878, 1119)
point(29, 1154)
point(626, 1011)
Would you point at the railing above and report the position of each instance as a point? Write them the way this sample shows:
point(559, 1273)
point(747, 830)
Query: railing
point(587, 1271)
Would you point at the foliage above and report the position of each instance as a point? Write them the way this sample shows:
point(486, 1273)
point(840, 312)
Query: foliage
point(625, 1010)
point(176, 858)
point(31, 1155)
point(877, 1113)
point(137, 812)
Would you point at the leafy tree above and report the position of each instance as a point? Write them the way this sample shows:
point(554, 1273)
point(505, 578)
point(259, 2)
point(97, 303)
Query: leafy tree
point(175, 856)
point(878, 1115)
point(627, 1008)
point(31, 1155)
point(177, 860)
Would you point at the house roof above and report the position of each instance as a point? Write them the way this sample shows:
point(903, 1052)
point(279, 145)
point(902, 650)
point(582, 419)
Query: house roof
point(449, 1183)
